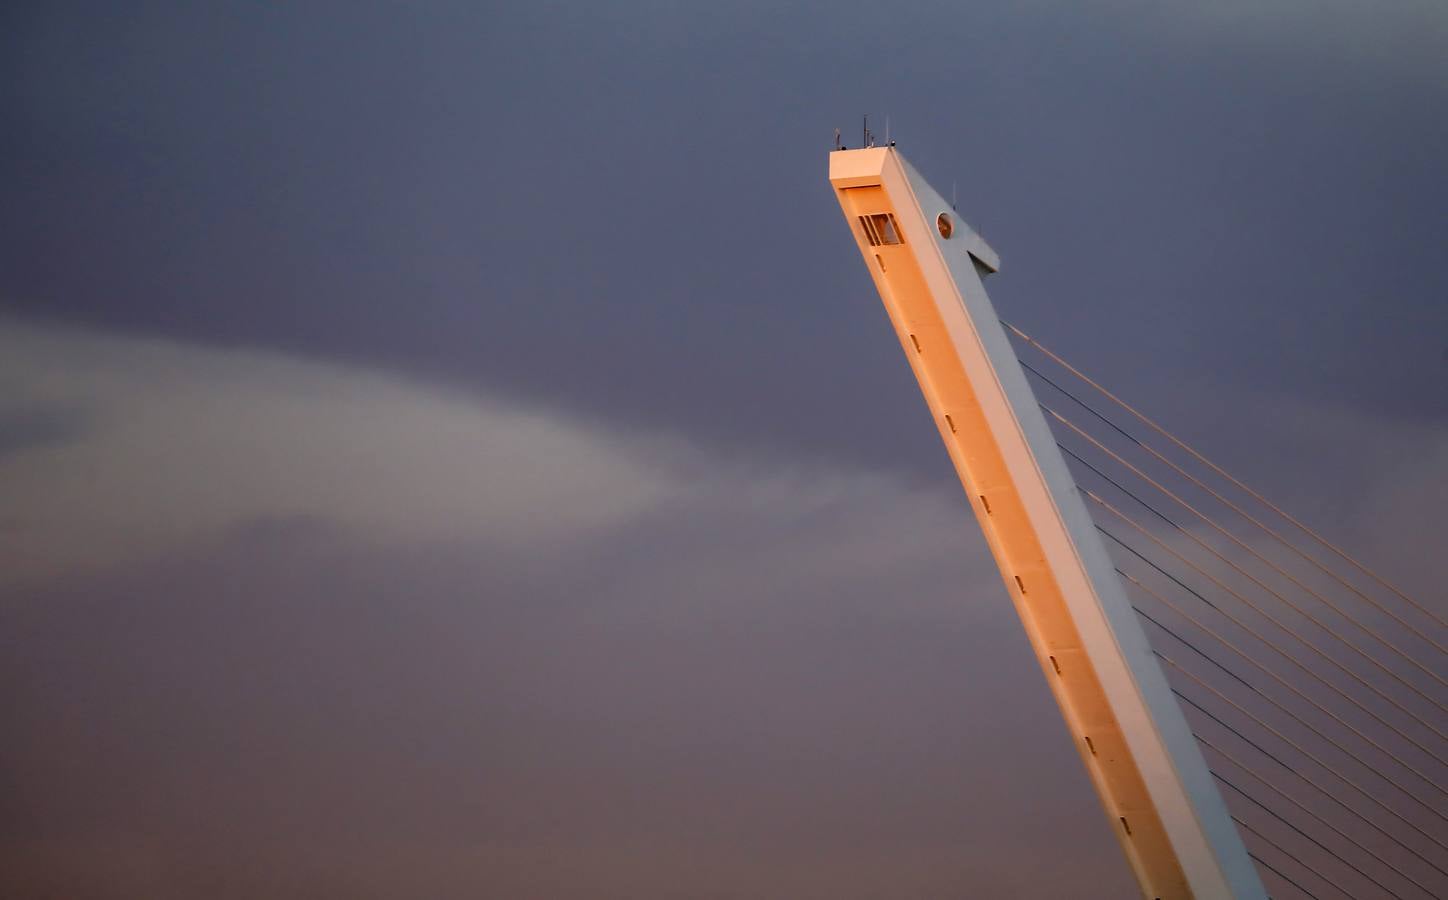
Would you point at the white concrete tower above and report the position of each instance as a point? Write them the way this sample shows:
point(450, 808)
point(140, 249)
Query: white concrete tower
point(1136, 745)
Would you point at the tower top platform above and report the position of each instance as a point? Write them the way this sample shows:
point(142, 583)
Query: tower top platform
point(864, 168)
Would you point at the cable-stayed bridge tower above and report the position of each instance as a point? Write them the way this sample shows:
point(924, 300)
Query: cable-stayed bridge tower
point(1063, 570)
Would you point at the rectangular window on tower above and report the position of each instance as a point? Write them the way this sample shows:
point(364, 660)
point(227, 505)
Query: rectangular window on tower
point(880, 228)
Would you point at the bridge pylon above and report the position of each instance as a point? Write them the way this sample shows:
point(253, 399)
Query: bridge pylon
point(1158, 794)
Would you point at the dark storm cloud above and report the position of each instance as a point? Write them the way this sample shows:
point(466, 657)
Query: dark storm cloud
point(564, 202)
point(312, 630)
point(728, 677)
point(28, 429)
point(669, 591)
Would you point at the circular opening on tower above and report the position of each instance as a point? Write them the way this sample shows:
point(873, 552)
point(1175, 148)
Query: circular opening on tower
point(946, 226)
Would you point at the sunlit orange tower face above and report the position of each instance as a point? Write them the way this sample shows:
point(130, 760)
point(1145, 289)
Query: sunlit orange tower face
point(928, 266)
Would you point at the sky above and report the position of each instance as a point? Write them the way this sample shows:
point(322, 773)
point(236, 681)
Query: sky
point(454, 449)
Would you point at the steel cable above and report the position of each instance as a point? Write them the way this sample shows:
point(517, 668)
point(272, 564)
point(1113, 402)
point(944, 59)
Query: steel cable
point(1352, 620)
point(1279, 679)
point(1321, 846)
point(1296, 718)
point(1274, 648)
point(1250, 518)
point(1278, 847)
point(1278, 872)
point(1159, 429)
point(1295, 607)
point(1308, 781)
point(1262, 612)
point(1305, 752)
point(1338, 831)
point(1202, 653)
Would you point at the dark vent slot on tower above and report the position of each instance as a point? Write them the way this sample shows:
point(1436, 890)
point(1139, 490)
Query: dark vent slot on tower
point(880, 228)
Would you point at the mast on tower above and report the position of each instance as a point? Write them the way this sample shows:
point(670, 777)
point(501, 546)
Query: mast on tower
point(928, 266)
